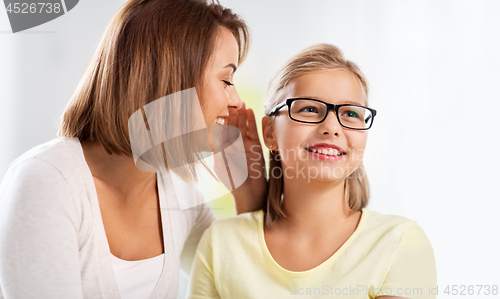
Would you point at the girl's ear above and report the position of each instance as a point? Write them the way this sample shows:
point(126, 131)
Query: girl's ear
point(268, 133)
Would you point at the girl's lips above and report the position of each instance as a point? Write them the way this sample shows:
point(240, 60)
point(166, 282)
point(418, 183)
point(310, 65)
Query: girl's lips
point(326, 157)
point(327, 146)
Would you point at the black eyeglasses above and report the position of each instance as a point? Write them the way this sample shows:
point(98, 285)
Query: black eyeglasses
point(314, 111)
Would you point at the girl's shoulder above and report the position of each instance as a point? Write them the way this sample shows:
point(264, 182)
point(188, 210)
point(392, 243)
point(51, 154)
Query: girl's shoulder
point(399, 246)
point(243, 223)
point(390, 228)
point(375, 221)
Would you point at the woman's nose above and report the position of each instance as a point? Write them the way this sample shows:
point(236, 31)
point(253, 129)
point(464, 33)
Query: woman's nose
point(234, 98)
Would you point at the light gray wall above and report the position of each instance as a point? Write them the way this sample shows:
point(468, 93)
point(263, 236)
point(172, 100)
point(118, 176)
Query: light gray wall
point(40, 68)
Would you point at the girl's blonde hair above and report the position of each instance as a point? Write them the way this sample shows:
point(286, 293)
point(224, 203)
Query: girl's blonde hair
point(322, 57)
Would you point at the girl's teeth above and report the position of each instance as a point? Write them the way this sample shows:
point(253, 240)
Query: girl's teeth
point(330, 152)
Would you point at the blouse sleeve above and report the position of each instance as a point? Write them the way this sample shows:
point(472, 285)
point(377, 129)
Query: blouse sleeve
point(202, 283)
point(39, 251)
point(413, 270)
point(204, 218)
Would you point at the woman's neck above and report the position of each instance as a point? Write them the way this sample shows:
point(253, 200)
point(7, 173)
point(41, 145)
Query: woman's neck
point(117, 172)
point(315, 208)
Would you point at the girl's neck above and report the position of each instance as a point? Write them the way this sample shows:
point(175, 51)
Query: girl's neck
point(314, 209)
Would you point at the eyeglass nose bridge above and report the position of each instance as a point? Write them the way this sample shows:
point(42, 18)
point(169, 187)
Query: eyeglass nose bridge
point(334, 108)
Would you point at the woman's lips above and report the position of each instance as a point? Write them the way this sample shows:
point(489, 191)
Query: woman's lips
point(220, 120)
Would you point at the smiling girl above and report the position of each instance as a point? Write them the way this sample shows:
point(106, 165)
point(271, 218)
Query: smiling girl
point(315, 238)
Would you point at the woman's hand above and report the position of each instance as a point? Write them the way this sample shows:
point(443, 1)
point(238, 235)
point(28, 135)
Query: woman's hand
point(251, 195)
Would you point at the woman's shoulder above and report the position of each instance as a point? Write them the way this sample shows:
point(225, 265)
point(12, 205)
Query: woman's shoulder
point(45, 178)
point(55, 160)
point(60, 153)
point(57, 152)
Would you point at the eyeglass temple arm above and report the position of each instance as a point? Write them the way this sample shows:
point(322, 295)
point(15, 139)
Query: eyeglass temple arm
point(278, 107)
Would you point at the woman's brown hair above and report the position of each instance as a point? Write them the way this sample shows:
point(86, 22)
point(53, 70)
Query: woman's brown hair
point(322, 57)
point(151, 48)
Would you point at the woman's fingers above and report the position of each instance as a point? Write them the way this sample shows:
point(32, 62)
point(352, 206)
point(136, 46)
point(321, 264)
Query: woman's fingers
point(252, 125)
point(233, 118)
point(242, 119)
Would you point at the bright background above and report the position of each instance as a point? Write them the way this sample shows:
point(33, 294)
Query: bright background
point(433, 69)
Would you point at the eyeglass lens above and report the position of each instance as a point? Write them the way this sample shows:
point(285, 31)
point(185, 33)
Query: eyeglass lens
point(313, 111)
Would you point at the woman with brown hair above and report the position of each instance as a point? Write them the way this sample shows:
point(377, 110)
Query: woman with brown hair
point(315, 239)
point(78, 218)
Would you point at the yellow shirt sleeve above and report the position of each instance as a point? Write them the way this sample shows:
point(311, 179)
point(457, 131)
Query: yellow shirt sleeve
point(413, 268)
point(202, 283)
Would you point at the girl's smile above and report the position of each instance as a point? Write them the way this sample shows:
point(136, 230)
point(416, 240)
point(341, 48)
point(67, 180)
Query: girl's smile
point(327, 152)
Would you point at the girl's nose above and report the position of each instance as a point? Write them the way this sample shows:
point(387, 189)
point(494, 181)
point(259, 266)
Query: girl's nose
point(331, 125)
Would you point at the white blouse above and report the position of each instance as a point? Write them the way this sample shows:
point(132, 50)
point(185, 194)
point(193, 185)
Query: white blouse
point(137, 279)
point(48, 197)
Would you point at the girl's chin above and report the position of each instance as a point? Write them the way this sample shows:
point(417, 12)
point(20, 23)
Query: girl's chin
point(310, 173)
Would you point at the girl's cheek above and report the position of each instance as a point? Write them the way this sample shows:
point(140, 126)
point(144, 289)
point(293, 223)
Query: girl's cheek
point(358, 141)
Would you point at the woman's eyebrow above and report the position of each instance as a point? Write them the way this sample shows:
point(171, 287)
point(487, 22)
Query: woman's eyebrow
point(232, 65)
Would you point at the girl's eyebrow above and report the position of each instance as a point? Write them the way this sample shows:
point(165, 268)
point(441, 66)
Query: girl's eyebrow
point(351, 102)
point(341, 102)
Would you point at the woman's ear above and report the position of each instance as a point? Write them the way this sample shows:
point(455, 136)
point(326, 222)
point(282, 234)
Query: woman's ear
point(268, 132)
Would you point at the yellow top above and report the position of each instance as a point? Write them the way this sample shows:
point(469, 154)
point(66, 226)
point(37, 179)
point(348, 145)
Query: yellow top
point(386, 255)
